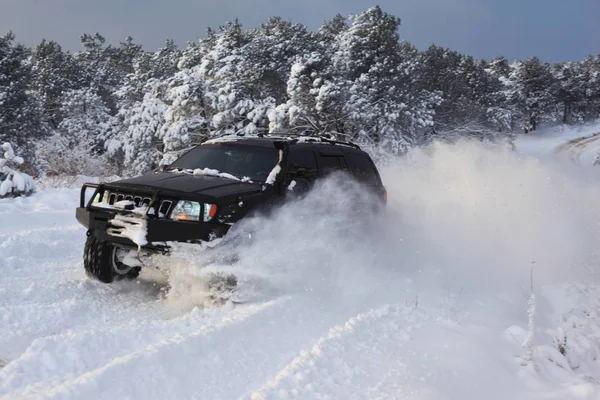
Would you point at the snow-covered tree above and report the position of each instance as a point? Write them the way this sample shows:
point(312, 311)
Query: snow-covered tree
point(142, 141)
point(532, 90)
point(106, 66)
point(230, 93)
point(85, 115)
point(383, 105)
point(187, 114)
point(54, 72)
point(141, 115)
point(13, 182)
point(352, 79)
point(20, 111)
point(77, 147)
point(571, 90)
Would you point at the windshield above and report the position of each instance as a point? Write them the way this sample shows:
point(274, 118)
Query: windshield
point(240, 161)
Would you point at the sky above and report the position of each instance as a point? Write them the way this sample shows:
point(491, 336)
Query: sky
point(553, 30)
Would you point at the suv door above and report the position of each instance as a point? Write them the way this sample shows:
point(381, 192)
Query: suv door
point(302, 169)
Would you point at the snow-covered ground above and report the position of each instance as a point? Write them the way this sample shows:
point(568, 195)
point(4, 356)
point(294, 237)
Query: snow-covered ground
point(430, 300)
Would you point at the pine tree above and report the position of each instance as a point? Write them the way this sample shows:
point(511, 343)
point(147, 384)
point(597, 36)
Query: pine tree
point(220, 71)
point(20, 111)
point(532, 87)
point(330, 30)
point(352, 79)
point(86, 119)
point(589, 108)
point(376, 75)
point(571, 90)
point(53, 73)
point(142, 141)
point(187, 115)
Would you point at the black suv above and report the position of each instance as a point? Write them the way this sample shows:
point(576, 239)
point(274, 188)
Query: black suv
point(200, 195)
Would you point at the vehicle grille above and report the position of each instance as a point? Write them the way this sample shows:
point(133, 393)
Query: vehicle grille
point(138, 200)
point(114, 197)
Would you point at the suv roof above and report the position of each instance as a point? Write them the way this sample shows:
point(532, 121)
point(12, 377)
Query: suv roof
point(269, 141)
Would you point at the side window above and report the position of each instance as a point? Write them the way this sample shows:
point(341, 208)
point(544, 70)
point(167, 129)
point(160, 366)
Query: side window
point(302, 168)
point(331, 163)
point(362, 168)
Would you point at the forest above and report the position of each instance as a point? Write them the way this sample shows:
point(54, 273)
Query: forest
point(121, 109)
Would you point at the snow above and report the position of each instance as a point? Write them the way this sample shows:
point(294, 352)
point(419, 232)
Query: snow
point(275, 171)
point(211, 172)
point(132, 228)
point(5, 187)
point(273, 175)
point(546, 143)
point(223, 139)
point(430, 300)
point(214, 172)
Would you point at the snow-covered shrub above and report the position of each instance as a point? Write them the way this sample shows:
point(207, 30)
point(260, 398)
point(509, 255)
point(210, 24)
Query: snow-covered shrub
point(13, 182)
point(77, 145)
point(61, 156)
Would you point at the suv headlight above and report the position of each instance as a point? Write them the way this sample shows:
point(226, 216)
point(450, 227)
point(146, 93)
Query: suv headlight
point(190, 211)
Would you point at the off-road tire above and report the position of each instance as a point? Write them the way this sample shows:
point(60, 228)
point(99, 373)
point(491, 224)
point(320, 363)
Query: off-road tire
point(98, 261)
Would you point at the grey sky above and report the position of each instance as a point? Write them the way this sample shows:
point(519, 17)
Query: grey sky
point(554, 30)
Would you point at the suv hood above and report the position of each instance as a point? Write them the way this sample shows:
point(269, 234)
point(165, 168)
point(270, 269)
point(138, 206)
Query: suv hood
point(186, 183)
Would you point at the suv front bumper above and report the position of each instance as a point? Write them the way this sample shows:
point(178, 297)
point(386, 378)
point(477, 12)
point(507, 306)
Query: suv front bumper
point(97, 220)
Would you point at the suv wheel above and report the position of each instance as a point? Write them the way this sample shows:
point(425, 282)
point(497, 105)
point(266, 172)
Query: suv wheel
point(104, 262)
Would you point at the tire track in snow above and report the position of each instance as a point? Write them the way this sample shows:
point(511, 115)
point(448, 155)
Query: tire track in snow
point(141, 354)
point(40, 244)
point(367, 348)
point(41, 311)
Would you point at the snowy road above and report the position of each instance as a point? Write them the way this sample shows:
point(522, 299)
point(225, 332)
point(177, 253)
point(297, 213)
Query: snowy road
point(582, 150)
point(432, 305)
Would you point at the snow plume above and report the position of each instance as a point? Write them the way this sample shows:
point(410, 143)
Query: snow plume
point(451, 253)
point(485, 212)
point(468, 217)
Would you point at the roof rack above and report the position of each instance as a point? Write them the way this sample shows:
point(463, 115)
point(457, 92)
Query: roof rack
point(311, 139)
point(283, 137)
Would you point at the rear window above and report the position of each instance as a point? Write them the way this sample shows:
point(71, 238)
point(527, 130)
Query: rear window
point(302, 165)
point(362, 168)
point(331, 163)
point(240, 161)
